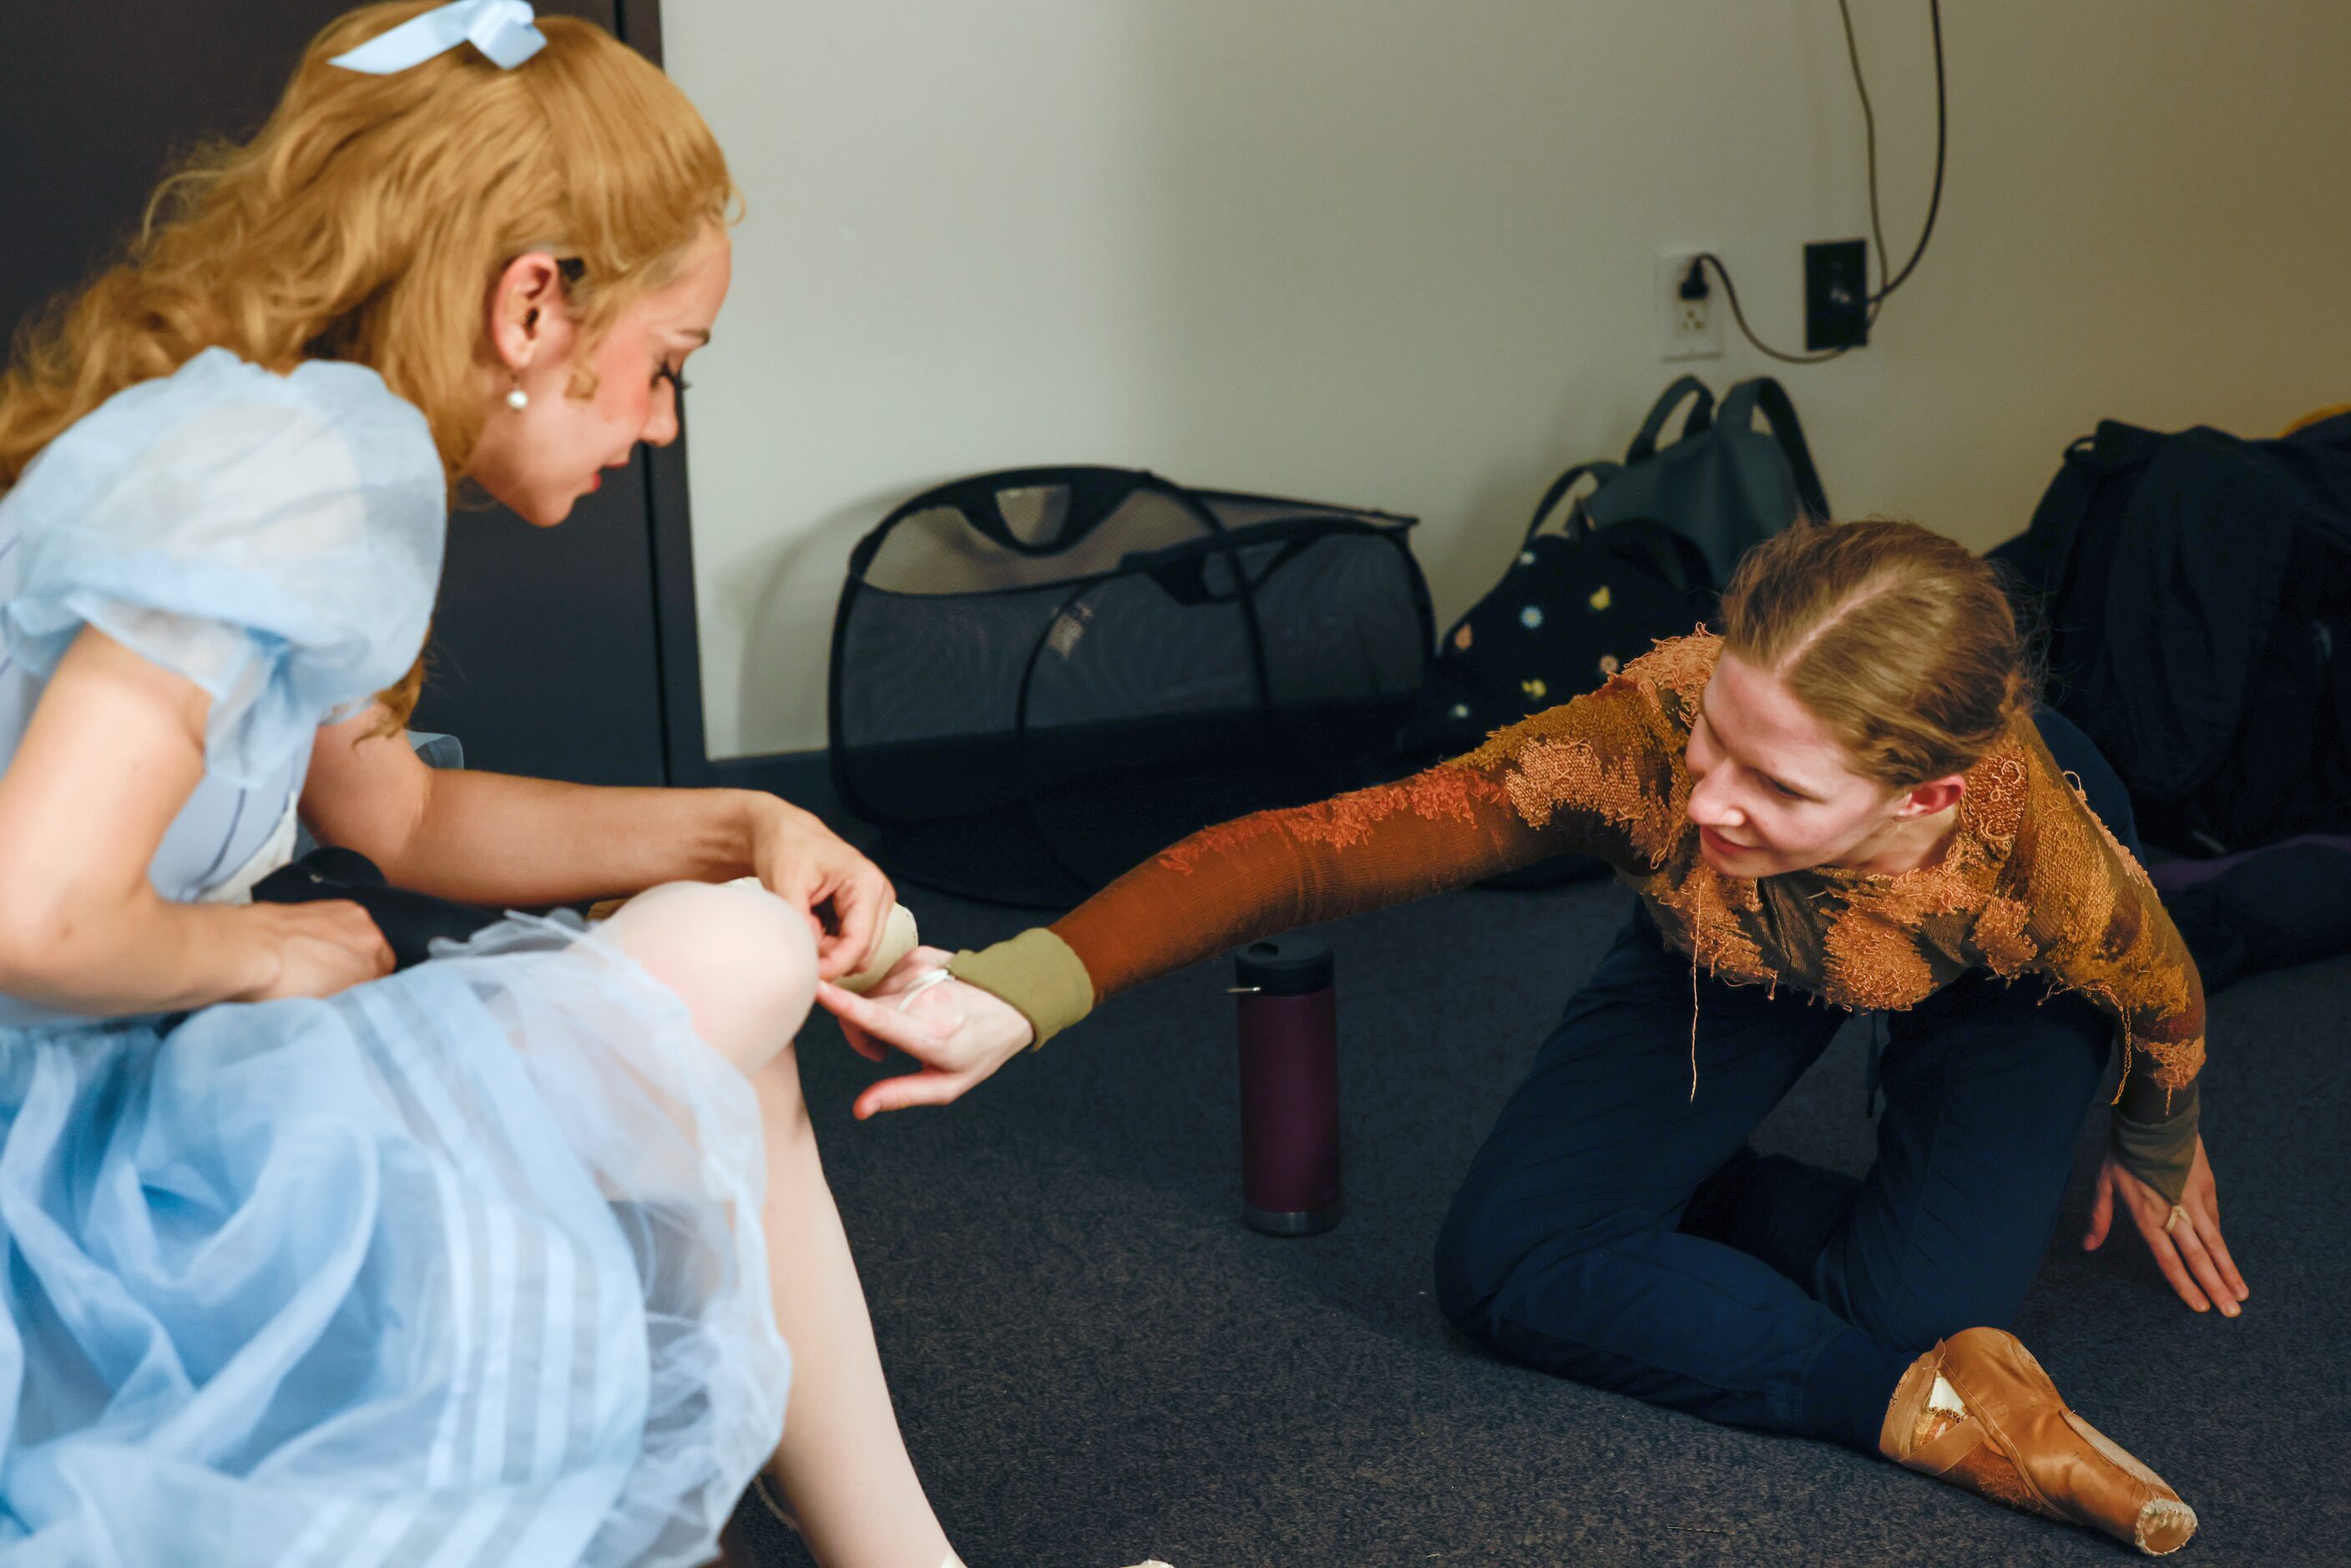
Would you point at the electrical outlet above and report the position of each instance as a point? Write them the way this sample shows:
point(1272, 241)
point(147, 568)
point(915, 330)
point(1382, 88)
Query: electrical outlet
point(1836, 294)
point(1688, 329)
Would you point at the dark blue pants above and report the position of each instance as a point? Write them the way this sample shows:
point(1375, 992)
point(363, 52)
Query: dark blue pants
point(1615, 1231)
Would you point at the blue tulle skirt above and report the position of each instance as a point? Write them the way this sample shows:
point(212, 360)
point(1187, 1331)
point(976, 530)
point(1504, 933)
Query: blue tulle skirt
point(460, 1267)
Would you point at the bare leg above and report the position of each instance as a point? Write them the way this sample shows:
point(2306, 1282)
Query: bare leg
point(843, 1466)
point(744, 965)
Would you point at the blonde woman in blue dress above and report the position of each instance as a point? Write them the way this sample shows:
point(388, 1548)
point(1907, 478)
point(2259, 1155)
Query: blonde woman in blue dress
point(495, 1260)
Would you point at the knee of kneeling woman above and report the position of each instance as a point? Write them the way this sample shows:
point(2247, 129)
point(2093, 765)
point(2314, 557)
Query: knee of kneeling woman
point(742, 960)
point(1461, 1292)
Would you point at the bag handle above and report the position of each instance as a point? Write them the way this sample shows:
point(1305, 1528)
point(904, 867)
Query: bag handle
point(1739, 408)
point(1701, 414)
point(1602, 471)
point(2065, 504)
point(1095, 494)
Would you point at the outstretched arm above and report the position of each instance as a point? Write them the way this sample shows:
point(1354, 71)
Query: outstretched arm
point(1531, 792)
point(1600, 776)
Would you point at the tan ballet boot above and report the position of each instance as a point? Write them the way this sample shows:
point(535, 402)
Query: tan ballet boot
point(1979, 1412)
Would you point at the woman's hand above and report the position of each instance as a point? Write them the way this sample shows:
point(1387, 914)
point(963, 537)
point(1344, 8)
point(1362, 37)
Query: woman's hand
point(316, 949)
point(801, 861)
point(958, 1032)
point(2185, 1243)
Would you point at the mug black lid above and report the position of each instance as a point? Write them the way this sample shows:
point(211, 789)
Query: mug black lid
point(1289, 965)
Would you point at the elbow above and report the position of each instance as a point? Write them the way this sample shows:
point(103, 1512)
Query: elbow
point(38, 939)
point(56, 933)
point(379, 849)
point(385, 831)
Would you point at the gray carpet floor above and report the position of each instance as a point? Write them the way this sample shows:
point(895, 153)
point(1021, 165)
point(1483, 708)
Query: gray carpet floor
point(1095, 1361)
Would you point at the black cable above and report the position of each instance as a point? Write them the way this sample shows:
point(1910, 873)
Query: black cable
point(1708, 258)
point(1934, 203)
point(1877, 225)
point(1869, 134)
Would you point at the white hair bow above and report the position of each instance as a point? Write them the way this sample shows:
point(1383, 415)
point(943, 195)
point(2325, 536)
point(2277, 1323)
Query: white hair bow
point(501, 30)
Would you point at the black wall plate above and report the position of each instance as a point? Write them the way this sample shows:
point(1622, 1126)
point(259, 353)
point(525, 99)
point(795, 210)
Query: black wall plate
point(1836, 294)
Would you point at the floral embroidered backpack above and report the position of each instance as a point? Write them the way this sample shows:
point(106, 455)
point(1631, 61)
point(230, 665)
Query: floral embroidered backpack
point(1576, 605)
point(1645, 555)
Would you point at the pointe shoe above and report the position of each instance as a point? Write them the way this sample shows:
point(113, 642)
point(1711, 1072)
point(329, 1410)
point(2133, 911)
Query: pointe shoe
point(2018, 1443)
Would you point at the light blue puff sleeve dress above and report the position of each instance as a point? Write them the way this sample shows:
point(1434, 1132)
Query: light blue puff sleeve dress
point(463, 1266)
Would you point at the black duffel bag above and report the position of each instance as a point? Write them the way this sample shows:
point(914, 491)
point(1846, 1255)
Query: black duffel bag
point(2196, 590)
point(1043, 675)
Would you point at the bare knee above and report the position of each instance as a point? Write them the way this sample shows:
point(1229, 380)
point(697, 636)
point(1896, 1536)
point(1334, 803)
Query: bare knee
point(742, 960)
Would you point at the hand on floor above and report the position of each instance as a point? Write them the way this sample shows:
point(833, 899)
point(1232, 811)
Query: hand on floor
point(2186, 1241)
point(959, 1033)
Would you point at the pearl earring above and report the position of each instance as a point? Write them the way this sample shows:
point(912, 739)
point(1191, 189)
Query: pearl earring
point(517, 400)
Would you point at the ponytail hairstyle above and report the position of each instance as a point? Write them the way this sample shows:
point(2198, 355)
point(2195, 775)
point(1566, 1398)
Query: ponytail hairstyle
point(368, 221)
point(1901, 643)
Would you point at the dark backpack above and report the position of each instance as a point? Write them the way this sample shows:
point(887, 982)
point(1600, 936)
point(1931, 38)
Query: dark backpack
point(1574, 608)
point(1722, 483)
point(1645, 555)
point(2196, 588)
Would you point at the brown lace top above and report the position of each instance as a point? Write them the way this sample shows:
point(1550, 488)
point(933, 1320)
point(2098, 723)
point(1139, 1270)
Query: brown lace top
point(2030, 885)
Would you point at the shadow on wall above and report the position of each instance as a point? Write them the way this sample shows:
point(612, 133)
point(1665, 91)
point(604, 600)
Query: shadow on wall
point(789, 616)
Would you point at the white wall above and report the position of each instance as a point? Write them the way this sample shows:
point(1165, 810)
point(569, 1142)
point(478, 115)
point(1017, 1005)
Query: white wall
point(1399, 253)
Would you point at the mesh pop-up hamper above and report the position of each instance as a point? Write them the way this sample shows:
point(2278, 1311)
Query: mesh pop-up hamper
point(1040, 676)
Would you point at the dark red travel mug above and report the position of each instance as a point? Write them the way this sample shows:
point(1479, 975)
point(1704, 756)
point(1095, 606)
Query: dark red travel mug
point(1289, 1086)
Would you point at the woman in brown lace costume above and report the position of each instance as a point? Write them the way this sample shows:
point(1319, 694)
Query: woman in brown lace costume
point(1843, 803)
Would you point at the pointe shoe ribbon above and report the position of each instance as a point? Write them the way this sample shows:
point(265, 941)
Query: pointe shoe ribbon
point(899, 938)
point(2019, 1444)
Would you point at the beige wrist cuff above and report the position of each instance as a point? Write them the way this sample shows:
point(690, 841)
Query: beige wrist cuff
point(2161, 1154)
point(1038, 973)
